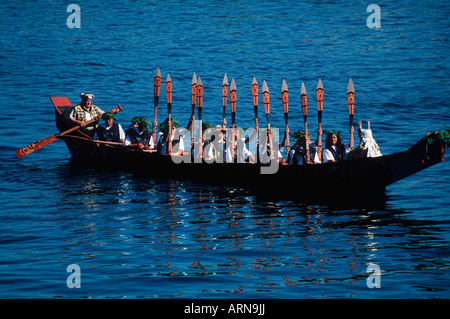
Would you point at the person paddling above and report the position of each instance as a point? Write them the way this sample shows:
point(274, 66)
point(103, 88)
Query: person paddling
point(334, 150)
point(110, 131)
point(86, 111)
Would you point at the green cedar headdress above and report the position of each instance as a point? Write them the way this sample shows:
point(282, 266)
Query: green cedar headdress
point(135, 120)
point(299, 135)
point(108, 115)
point(338, 133)
point(143, 123)
point(205, 126)
point(164, 125)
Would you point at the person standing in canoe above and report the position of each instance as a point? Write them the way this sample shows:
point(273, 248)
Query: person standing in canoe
point(139, 137)
point(85, 111)
point(110, 131)
point(334, 150)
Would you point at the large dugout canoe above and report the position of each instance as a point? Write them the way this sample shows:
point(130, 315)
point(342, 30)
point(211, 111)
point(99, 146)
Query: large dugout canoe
point(363, 176)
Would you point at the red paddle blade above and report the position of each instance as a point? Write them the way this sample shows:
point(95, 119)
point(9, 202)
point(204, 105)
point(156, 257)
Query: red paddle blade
point(33, 147)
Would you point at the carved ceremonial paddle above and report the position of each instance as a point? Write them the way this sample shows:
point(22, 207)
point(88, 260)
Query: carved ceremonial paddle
point(193, 98)
point(303, 99)
point(156, 89)
point(284, 98)
point(233, 114)
point(266, 101)
point(319, 97)
point(351, 108)
point(169, 111)
point(255, 107)
point(224, 99)
point(199, 93)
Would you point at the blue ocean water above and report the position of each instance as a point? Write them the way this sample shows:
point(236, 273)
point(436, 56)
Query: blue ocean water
point(138, 237)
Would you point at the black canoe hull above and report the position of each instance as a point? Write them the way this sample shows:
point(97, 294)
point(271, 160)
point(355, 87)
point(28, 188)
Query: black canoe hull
point(364, 176)
point(367, 176)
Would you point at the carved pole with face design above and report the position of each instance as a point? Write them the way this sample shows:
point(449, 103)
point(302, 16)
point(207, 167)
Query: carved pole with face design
point(156, 89)
point(169, 110)
point(224, 99)
point(304, 102)
point(319, 97)
point(233, 115)
point(255, 108)
point(284, 98)
point(193, 98)
point(351, 108)
point(199, 93)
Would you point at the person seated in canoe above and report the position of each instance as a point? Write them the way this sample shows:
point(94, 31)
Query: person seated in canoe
point(335, 150)
point(368, 147)
point(207, 148)
point(139, 137)
point(134, 122)
point(110, 131)
point(217, 145)
point(297, 154)
point(85, 111)
point(265, 153)
point(164, 136)
point(242, 154)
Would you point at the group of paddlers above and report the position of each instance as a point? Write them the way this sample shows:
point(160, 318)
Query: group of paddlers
point(218, 143)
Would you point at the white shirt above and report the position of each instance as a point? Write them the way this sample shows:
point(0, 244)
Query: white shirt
point(242, 153)
point(263, 151)
point(328, 156)
point(208, 150)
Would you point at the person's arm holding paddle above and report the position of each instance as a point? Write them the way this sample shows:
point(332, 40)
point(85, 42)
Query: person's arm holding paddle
point(85, 111)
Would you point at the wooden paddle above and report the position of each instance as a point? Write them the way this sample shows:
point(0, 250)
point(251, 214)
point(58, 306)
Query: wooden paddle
point(304, 99)
point(224, 99)
point(319, 97)
point(156, 89)
point(255, 107)
point(284, 98)
point(199, 93)
point(193, 98)
point(233, 115)
point(24, 151)
point(93, 141)
point(266, 101)
point(169, 111)
point(351, 108)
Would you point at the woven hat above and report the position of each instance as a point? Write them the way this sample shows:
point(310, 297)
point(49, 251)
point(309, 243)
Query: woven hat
point(87, 96)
